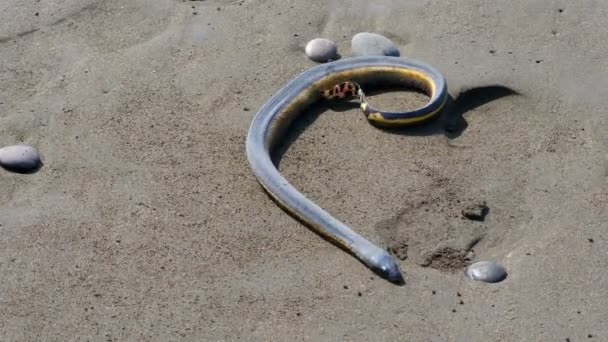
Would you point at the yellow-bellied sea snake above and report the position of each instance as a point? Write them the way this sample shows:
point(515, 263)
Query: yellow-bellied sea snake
point(337, 79)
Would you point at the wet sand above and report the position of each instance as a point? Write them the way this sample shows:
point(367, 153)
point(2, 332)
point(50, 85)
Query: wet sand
point(146, 223)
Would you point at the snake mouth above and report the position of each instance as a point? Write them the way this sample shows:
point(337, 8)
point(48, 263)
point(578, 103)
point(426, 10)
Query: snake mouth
point(388, 269)
point(394, 277)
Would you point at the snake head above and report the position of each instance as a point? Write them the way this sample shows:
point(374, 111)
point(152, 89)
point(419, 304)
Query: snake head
point(387, 268)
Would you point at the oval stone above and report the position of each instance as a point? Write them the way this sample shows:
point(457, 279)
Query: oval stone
point(20, 158)
point(486, 271)
point(321, 50)
point(373, 44)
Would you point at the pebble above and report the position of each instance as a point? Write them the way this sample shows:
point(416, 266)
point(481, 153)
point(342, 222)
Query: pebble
point(476, 212)
point(486, 271)
point(321, 50)
point(20, 158)
point(373, 44)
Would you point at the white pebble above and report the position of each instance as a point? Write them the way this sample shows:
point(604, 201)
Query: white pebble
point(321, 50)
point(20, 158)
point(373, 44)
point(486, 271)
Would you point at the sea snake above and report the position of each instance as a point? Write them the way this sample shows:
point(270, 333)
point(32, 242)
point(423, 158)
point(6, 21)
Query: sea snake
point(337, 80)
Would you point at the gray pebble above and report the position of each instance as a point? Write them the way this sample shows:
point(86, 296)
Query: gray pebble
point(373, 44)
point(486, 271)
point(321, 50)
point(476, 212)
point(20, 158)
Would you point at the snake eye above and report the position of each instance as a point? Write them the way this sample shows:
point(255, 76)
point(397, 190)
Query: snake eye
point(389, 270)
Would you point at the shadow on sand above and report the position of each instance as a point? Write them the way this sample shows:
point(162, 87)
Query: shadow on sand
point(450, 122)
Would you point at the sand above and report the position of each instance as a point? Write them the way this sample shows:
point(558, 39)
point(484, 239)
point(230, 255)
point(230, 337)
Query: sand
point(146, 223)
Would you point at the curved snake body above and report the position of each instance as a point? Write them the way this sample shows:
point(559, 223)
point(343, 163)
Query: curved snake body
point(338, 79)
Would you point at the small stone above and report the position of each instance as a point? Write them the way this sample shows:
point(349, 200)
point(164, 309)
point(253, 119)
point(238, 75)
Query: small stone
point(486, 271)
point(321, 50)
point(476, 212)
point(373, 44)
point(20, 158)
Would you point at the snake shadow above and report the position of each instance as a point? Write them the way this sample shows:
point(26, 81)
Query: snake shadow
point(451, 122)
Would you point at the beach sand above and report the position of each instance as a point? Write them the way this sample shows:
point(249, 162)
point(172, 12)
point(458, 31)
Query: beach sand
point(147, 224)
